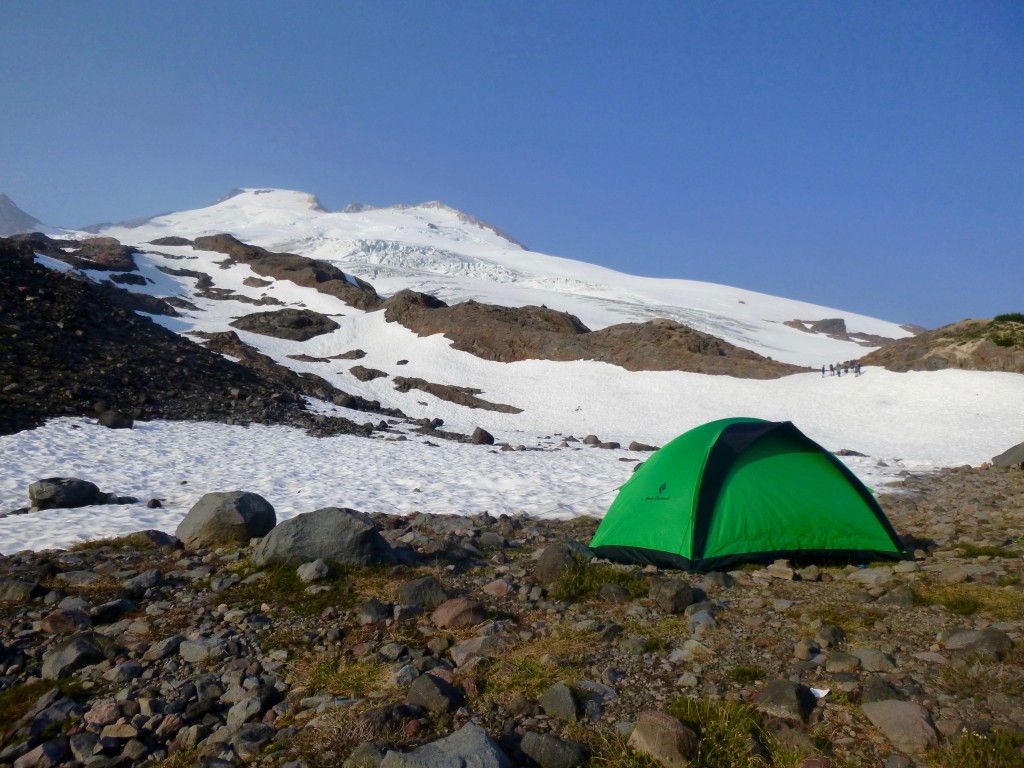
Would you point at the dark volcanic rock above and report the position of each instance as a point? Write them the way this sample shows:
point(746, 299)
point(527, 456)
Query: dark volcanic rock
point(115, 420)
point(509, 334)
point(468, 746)
point(363, 373)
point(63, 493)
point(311, 273)
point(66, 343)
point(331, 534)
point(466, 396)
point(228, 343)
point(293, 324)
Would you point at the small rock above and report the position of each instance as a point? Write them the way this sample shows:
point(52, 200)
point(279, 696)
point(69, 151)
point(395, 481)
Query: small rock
point(665, 739)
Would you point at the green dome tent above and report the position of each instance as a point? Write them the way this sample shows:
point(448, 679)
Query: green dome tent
point(743, 490)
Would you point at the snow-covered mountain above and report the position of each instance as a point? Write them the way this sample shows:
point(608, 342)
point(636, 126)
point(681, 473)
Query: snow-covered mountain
point(435, 249)
point(899, 421)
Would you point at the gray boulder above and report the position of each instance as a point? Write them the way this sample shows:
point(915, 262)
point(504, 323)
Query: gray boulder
point(63, 493)
point(987, 643)
point(233, 517)
point(906, 724)
point(556, 559)
point(552, 752)
point(468, 747)
point(76, 652)
point(426, 592)
point(332, 534)
point(15, 590)
point(434, 694)
point(1012, 457)
point(672, 595)
point(294, 324)
point(664, 738)
point(786, 700)
point(482, 437)
point(558, 701)
point(115, 420)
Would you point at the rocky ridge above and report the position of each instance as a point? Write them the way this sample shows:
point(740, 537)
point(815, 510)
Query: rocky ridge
point(69, 346)
point(494, 640)
point(977, 345)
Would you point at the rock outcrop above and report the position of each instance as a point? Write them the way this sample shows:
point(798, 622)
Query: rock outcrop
point(510, 334)
point(976, 345)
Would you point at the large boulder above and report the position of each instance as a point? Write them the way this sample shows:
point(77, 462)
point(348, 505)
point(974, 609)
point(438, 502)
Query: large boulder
point(906, 724)
point(63, 492)
point(333, 533)
point(558, 558)
point(232, 517)
point(74, 653)
point(665, 739)
point(293, 324)
point(468, 747)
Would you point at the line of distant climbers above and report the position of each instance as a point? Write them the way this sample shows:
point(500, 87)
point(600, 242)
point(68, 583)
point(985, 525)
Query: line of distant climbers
point(839, 369)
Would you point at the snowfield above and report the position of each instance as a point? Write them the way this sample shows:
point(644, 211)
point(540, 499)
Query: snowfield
point(901, 422)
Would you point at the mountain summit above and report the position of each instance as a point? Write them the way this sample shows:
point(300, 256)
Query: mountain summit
point(13, 220)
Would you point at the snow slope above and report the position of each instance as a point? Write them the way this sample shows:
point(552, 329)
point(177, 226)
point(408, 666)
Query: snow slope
point(435, 249)
point(909, 421)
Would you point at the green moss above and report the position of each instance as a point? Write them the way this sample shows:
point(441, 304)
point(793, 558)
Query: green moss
point(282, 586)
point(582, 580)
point(744, 674)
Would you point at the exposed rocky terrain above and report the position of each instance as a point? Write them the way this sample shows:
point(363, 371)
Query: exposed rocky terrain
point(509, 334)
point(977, 345)
point(69, 346)
point(436, 639)
point(835, 327)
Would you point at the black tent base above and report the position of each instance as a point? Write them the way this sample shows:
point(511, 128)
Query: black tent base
point(641, 556)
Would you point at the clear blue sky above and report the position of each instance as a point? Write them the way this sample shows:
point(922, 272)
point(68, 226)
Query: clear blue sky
point(864, 155)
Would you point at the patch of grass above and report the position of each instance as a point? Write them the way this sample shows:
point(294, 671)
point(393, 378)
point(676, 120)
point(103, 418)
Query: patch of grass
point(336, 733)
point(338, 677)
point(527, 668)
point(282, 586)
point(999, 749)
point(16, 701)
point(745, 674)
point(1008, 580)
point(968, 599)
point(732, 735)
point(850, 616)
point(973, 677)
point(182, 759)
point(608, 748)
point(980, 550)
point(1009, 317)
point(131, 541)
point(583, 581)
point(660, 634)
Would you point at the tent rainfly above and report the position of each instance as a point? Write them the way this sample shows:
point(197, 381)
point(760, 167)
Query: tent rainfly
point(743, 490)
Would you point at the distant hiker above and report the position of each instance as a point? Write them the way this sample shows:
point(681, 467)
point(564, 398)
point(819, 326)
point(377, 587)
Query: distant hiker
point(831, 369)
point(823, 371)
point(856, 368)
